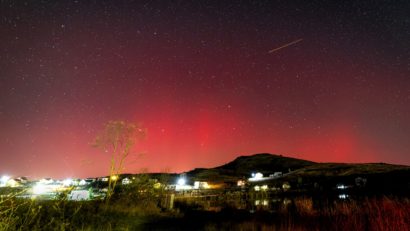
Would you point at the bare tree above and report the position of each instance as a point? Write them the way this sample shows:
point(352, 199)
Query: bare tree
point(117, 139)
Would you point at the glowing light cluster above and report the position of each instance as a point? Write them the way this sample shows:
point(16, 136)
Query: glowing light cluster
point(3, 181)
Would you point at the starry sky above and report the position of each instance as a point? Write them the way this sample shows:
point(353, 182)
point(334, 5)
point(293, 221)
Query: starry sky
point(200, 77)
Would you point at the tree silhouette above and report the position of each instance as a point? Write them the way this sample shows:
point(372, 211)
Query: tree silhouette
point(117, 139)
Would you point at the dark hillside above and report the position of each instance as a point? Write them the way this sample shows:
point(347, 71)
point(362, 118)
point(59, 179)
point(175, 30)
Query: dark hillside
point(265, 163)
point(243, 166)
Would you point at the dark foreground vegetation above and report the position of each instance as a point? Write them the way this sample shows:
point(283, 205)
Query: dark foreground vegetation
point(378, 213)
point(370, 214)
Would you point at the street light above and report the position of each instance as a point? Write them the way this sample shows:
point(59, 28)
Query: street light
point(181, 181)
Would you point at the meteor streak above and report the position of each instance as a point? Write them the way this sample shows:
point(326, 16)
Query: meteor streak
point(286, 45)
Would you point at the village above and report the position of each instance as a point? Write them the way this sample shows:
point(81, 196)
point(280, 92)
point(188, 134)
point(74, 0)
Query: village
point(178, 185)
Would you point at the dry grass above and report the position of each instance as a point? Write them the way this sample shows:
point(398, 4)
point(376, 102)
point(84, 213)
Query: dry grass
point(383, 214)
point(378, 214)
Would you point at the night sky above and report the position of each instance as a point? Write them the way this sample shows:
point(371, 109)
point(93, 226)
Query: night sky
point(200, 77)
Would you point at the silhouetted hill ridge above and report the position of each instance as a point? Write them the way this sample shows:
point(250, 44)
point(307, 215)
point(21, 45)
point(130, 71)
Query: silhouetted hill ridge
point(243, 166)
point(265, 162)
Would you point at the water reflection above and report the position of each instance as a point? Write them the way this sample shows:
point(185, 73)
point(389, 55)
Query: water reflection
point(261, 202)
point(343, 196)
point(264, 202)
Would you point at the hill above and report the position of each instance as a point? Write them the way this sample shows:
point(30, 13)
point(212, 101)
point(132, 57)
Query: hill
point(243, 166)
point(297, 169)
point(343, 169)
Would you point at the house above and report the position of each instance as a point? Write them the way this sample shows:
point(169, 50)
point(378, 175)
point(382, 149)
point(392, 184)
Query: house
point(83, 182)
point(103, 179)
point(276, 174)
point(256, 177)
point(201, 185)
point(79, 195)
point(13, 183)
point(241, 183)
point(46, 181)
point(126, 181)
